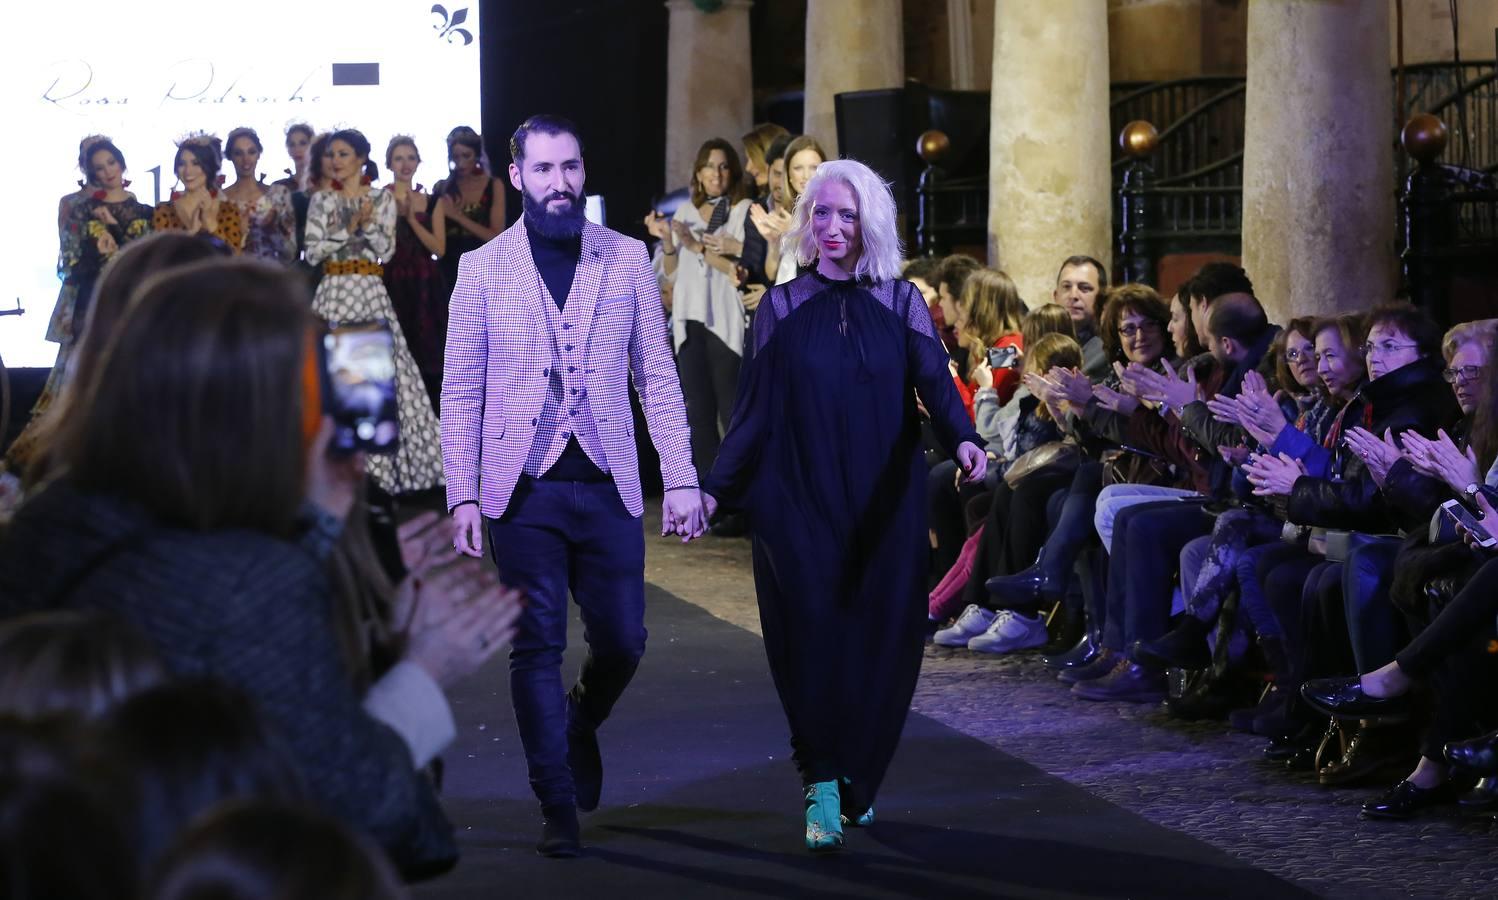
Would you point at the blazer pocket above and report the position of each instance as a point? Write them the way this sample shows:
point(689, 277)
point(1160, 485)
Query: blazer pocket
point(614, 302)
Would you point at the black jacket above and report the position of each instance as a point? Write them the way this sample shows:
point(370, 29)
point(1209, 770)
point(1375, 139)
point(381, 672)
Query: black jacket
point(250, 610)
point(1410, 398)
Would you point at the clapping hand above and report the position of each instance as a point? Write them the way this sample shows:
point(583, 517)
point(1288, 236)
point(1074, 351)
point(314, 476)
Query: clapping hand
point(1442, 458)
point(1071, 386)
point(1167, 388)
point(684, 236)
point(1378, 454)
point(1117, 401)
point(1273, 475)
point(659, 227)
point(723, 245)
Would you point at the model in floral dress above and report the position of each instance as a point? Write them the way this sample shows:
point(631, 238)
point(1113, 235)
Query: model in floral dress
point(350, 230)
point(267, 213)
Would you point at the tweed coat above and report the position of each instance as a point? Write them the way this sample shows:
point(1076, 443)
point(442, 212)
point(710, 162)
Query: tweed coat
point(507, 341)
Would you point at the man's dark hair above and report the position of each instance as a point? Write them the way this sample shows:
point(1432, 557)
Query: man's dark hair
point(1219, 278)
point(1413, 321)
point(542, 123)
point(926, 268)
point(1102, 273)
point(953, 273)
point(1242, 320)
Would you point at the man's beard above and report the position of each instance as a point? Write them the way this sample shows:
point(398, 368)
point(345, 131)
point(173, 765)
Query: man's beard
point(551, 222)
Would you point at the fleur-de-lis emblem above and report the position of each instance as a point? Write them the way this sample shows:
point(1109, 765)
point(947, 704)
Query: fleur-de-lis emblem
point(448, 27)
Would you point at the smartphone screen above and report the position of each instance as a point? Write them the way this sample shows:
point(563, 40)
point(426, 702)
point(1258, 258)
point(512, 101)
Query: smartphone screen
point(1467, 520)
point(361, 395)
point(1003, 357)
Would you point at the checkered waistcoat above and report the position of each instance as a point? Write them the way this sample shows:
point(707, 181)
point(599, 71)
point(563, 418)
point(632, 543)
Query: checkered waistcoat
point(514, 361)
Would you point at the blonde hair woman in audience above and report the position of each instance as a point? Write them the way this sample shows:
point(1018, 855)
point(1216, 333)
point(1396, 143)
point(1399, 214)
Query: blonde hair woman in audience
point(824, 453)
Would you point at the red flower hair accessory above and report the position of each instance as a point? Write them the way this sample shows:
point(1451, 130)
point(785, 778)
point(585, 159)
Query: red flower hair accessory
point(365, 180)
point(99, 195)
point(335, 184)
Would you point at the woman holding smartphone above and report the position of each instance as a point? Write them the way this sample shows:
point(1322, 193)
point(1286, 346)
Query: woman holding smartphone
point(350, 231)
point(707, 313)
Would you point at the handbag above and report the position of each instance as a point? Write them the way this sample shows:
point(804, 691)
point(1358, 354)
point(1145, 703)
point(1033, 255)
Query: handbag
point(1053, 458)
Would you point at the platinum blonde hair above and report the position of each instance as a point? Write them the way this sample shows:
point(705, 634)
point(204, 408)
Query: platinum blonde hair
point(882, 254)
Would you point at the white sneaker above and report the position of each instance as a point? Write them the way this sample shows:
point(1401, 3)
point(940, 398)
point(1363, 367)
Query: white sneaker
point(1010, 631)
point(973, 622)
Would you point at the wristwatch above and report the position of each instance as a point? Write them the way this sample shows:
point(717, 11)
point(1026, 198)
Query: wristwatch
point(1469, 492)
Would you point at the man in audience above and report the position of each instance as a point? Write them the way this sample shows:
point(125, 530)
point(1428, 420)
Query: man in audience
point(1079, 284)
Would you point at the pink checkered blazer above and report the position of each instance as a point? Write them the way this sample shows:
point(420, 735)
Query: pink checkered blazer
point(499, 344)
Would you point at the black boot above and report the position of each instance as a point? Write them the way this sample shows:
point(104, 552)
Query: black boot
point(561, 838)
point(1082, 653)
point(1184, 647)
point(1026, 591)
point(599, 686)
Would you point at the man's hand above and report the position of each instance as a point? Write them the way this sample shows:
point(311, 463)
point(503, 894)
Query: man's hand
point(972, 460)
point(682, 514)
point(468, 530)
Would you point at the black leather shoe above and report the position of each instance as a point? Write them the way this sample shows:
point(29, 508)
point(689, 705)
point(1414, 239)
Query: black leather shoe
point(1183, 647)
point(1403, 800)
point(1026, 591)
point(1343, 698)
point(1372, 754)
point(1482, 798)
point(1478, 756)
point(1068, 628)
point(586, 764)
point(561, 838)
point(1083, 652)
point(1102, 663)
point(1212, 698)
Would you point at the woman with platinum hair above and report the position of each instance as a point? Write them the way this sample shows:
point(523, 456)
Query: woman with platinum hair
point(824, 454)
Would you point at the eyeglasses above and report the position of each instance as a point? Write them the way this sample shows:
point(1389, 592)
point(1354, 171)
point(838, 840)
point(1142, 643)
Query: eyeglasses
point(1462, 373)
point(1131, 329)
point(1294, 355)
point(1384, 348)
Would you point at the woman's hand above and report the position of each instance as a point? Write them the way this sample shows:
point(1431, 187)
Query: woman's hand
point(1377, 454)
point(1119, 402)
point(1273, 475)
point(723, 245)
point(684, 236)
point(659, 227)
point(982, 373)
point(1167, 389)
point(332, 481)
point(765, 223)
point(106, 244)
point(103, 214)
point(1441, 458)
point(752, 296)
point(972, 461)
point(1071, 386)
point(457, 617)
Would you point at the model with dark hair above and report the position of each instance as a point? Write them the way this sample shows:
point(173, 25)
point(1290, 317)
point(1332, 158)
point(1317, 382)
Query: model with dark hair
point(267, 212)
point(551, 325)
point(199, 207)
point(350, 233)
point(105, 220)
point(299, 138)
point(471, 199)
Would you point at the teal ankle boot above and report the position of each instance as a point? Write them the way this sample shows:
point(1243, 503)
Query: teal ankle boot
point(824, 827)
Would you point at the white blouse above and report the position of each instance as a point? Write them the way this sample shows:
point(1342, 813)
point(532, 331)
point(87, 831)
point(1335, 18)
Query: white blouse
point(705, 294)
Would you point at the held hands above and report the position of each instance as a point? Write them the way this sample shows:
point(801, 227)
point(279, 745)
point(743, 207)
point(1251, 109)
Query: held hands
point(683, 513)
point(1273, 475)
point(1378, 454)
point(973, 461)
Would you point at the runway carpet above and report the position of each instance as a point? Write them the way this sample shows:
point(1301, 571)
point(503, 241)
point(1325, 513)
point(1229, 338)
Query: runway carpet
point(700, 800)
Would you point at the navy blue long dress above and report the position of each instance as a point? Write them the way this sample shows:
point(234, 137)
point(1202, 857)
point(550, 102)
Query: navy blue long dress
point(824, 454)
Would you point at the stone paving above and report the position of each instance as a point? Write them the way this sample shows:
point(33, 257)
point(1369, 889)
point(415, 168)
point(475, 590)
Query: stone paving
point(1200, 779)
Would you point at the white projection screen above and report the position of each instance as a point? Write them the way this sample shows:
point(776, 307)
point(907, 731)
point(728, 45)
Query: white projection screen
point(146, 73)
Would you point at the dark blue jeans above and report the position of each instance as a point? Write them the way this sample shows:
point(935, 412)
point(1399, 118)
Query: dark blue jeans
point(558, 536)
point(1147, 542)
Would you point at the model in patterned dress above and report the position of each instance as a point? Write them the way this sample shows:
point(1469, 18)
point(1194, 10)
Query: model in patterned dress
point(199, 207)
point(417, 288)
point(60, 325)
point(269, 219)
point(350, 230)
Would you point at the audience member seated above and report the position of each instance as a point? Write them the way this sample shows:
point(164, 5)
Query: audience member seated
point(71, 663)
point(268, 851)
point(194, 498)
point(1081, 284)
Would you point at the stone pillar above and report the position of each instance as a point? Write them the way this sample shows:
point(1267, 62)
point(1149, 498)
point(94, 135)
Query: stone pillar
point(1154, 40)
point(709, 86)
point(851, 45)
point(1049, 182)
point(1318, 170)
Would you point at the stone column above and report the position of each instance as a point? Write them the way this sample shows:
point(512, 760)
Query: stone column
point(1049, 183)
point(851, 45)
point(1318, 171)
point(709, 86)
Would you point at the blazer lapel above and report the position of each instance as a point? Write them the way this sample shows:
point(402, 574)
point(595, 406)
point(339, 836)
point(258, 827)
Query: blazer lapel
point(528, 281)
point(585, 284)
